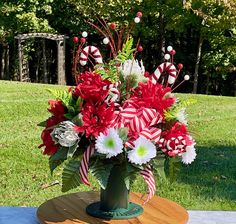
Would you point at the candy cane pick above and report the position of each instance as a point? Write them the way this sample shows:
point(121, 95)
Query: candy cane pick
point(94, 52)
point(165, 67)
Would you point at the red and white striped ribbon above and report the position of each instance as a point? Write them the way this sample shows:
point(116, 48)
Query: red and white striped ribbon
point(83, 169)
point(152, 134)
point(148, 176)
point(114, 93)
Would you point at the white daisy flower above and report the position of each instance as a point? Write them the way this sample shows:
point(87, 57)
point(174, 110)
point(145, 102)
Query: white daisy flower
point(190, 154)
point(110, 144)
point(132, 67)
point(65, 135)
point(181, 116)
point(144, 150)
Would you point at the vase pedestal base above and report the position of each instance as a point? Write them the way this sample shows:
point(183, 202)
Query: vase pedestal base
point(71, 209)
point(132, 211)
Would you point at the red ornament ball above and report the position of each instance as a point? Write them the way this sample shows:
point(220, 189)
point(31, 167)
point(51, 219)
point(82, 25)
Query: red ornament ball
point(146, 74)
point(139, 14)
point(140, 48)
point(173, 52)
point(113, 26)
point(75, 40)
point(82, 40)
point(180, 66)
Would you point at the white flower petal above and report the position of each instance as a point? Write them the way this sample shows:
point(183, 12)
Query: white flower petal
point(190, 154)
point(132, 67)
point(110, 144)
point(144, 150)
point(181, 116)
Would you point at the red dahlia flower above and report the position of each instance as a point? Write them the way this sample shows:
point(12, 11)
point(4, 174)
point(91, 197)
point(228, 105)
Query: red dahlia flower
point(96, 119)
point(50, 146)
point(175, 141)
point(91, 88)
point(154, 96)
point(56, 108)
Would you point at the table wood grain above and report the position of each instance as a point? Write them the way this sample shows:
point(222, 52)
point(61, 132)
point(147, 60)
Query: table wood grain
point(70, 209)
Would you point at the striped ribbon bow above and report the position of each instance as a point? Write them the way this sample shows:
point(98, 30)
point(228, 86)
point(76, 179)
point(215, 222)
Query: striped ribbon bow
point(148, 176)
point(140, 121)
point(83, 169)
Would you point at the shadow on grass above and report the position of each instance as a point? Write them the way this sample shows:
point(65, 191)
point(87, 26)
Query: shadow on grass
point(213, 173)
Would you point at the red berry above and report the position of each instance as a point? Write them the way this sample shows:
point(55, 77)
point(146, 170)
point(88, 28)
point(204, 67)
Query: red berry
point(140, 48)
point(82, 40)
point(180, 66)
point(139, 14)
point(146, 74)
point(173, 52)
point(75, 40)
point(113, 26)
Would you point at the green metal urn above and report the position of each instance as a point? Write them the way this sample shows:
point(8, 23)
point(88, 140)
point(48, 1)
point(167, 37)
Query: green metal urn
point(114, 200)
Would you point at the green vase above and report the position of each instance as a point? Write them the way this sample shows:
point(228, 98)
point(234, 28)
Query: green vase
point(114, 200)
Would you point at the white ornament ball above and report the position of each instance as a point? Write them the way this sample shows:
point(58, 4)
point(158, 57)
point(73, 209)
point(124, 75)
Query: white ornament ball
point(83, 63)
point(136, 19)
point(186, 77)
point(84, 34)
point(105, 40)
point(167, 56)
point(169, 48)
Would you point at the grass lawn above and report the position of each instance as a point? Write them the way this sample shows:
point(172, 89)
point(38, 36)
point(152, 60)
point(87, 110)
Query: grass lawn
point(209, 183)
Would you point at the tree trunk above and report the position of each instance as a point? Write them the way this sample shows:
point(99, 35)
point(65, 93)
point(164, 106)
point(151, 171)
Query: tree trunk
point(196, 70)
point(2, 75)
point(207, 82)
point(162, 38)
point(7, 63)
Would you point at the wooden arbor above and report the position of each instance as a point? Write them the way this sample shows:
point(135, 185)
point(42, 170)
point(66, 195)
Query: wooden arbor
point(23, 62)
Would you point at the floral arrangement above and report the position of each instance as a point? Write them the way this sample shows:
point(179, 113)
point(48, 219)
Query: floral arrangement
point(117, 114)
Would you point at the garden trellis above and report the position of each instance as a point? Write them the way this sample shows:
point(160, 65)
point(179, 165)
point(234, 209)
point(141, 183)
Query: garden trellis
point(23, 62)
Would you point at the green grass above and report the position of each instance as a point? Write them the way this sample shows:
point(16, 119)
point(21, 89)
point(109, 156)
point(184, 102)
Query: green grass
point(209, 183)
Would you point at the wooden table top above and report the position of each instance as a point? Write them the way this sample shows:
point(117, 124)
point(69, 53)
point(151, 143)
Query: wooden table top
point(70, 209)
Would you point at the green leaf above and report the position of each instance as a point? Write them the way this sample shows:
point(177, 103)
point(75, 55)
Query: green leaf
point(77, 120)
point(72, 150)
point(69, 116)
point(130, 175)
point(78, 103)
point(172, 167)
point(159, 165)
point(70, 176)
point(62, 95)
point(123, 133)
point(58, 158)
point(101, 171)
point(42, 124)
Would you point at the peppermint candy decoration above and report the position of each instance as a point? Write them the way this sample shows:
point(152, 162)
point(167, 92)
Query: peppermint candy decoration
point(94, 52)
point(165, 67)
point(174, 146)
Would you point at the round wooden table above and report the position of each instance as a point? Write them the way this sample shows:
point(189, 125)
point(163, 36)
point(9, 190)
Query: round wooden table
point(70, 209)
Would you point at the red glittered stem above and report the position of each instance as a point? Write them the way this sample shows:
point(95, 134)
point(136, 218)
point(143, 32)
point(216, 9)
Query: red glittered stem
point(104, 34)
point(178, 85)
point(136, 49)
point(175, 78)
point(130, 29)
point(119, 37)
point(76, 59)
point(106, 27)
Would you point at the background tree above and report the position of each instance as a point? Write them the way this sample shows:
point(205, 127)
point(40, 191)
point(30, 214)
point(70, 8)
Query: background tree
point(201, 31)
